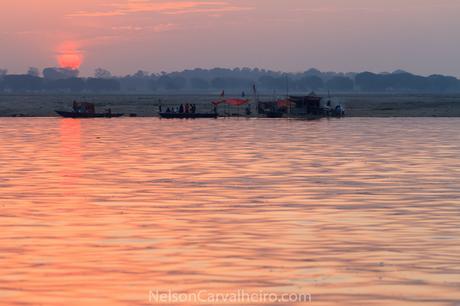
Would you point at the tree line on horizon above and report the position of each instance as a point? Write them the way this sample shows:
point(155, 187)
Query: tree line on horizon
point(217, 79)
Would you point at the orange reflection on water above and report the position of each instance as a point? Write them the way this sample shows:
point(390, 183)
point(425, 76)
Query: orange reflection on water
point(355, 211)
point(72, 166)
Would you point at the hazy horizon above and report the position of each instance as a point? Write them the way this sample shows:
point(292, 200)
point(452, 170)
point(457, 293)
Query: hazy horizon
point(128, 35)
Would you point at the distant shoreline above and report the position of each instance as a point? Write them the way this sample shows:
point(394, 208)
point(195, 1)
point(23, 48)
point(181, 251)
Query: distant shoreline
point(146, 105)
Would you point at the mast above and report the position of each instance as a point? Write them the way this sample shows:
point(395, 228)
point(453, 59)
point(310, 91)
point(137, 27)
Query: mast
point(254, 89)
point(287, 94)
point(287, 86)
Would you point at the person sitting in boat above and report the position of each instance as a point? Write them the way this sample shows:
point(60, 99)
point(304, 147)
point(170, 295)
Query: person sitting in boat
point(248, 110)
point(181, 109)
point(168, 110)
point(193, 108)
point(339, 110)
point(187, 108)
point(75, 106)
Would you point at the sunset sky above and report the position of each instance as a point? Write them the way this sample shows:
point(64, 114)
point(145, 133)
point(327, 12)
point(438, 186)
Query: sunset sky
point(421, 36)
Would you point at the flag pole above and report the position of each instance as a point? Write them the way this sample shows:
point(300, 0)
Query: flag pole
point(256, 102)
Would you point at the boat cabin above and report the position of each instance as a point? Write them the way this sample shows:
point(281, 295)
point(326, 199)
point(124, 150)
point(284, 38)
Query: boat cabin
point(306, 105)
point(294, 105)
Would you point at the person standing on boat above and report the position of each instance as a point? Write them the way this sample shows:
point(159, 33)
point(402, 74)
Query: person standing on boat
point(75, 106)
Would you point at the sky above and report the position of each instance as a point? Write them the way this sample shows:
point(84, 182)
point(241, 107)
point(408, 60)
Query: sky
point(123, 36)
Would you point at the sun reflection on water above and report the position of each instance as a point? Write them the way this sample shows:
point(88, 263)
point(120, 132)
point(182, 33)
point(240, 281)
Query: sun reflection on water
point(354, 211)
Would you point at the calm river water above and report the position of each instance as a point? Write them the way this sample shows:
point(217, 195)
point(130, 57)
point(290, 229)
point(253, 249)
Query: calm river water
point(352, 212)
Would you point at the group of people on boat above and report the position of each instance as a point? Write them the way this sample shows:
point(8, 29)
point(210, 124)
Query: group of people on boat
point(337, 111)
point(182, 109)
point(87, 108)
point(83, 107)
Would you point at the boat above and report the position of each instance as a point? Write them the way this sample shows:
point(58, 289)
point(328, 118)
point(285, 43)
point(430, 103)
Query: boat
point(66, 114)
point(303, 107)
point(170, 115)
point(86, 110)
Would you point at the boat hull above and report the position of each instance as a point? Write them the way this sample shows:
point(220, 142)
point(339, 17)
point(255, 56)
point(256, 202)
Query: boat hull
point(187, 116)
point(86, 115)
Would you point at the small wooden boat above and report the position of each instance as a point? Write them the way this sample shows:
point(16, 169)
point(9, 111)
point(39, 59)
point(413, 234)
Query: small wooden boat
point(187, 115)
point(87, 115)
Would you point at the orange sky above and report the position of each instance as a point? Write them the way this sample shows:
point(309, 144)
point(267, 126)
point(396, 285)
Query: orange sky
point(293, 35)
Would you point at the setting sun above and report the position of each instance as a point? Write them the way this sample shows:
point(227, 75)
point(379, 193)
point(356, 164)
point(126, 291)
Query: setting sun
point(70, 60)
point(69, 55)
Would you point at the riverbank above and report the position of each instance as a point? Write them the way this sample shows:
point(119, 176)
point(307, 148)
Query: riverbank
point(356, 105)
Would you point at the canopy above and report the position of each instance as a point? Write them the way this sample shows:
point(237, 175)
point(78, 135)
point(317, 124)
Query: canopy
point(232, 102)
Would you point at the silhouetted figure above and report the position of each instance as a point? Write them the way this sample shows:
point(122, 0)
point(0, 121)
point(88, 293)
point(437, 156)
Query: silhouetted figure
point(187, 108)
point(181, 109)
point(168, 110)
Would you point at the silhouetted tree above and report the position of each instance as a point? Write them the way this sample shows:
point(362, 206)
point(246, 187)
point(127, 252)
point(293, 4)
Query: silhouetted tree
point(231, 83)
point(141, 74)
point(440, 83)
point(275, 83)
point(172, 82)
point(340, 83)
point(368, 81)
point(198, 83)
point(71, 84)
point(22, 82)
point(232, 80)
point(33, 72)
point(310, 82)
point(100, 73)
point(401, 82)
point(60, 73)
point(3, 72)
point(313, 72)
point(102, 85)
